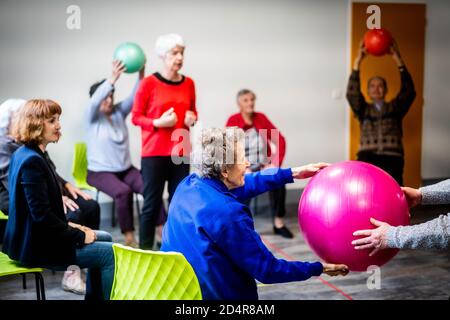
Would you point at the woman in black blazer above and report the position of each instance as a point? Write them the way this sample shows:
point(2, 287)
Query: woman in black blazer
point(37, 232)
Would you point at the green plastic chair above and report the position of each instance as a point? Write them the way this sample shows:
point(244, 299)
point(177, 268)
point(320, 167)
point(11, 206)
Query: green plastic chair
point(10, 267)
point(153, 275)
point(79, 167)
point(3, 216)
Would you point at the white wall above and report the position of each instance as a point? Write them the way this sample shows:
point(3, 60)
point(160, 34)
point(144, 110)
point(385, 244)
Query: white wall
point(293, 54)
point(436, 121)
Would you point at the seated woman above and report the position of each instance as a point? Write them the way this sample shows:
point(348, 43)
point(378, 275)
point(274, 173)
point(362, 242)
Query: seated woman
point(213, 229)
point(260, 134)
point(434, 234)
point(7, 146)
point(37, 233)
point(79, 207)
point(108, 149)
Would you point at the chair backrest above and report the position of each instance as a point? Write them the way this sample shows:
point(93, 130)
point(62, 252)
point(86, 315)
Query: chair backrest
point(3, 216)
point(153, 275)
point(79, 166)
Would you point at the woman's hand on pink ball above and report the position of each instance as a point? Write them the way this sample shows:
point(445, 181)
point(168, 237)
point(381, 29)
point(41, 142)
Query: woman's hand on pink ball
point(375, 239)
point(309, 170)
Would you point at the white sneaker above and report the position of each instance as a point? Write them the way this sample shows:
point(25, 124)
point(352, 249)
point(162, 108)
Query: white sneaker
point(73, 282)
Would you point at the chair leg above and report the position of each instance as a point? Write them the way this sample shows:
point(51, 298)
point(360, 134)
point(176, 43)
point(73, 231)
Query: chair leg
point(24, 280)
point(38, 291)
point(40, 287)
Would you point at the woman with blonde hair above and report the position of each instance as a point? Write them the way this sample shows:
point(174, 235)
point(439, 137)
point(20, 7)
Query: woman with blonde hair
point(37, 232)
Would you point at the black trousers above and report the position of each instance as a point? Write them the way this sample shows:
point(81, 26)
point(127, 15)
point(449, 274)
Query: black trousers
point(87, 215)
point(391, 164)
point(155, 172)
point(277, 202)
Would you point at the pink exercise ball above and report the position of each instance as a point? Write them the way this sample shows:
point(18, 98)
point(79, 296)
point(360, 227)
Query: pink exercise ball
point(341, 199)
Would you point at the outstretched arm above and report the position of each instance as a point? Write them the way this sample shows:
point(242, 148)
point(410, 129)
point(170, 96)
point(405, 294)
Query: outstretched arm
point(126, 105)
point(274, 178)
point(354, 95)
point(434, 234)
point(104, 90)
point(403, 101)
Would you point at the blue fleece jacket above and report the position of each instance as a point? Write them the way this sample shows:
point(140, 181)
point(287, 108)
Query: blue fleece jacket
point(209, 225)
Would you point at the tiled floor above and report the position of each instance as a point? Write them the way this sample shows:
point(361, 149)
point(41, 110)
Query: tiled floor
point(410, 275)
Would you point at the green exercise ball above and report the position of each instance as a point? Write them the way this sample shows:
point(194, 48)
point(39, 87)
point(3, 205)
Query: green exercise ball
point(131, 55)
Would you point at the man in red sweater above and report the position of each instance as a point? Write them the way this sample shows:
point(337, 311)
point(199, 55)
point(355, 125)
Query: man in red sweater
point(261, 136)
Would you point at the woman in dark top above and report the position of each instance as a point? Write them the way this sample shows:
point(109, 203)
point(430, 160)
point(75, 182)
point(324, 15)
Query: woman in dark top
point(37, 232)
point(79, 206)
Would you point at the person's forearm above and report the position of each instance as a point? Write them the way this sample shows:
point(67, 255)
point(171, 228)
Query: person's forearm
point(126, 105)
point(99, 95)
point(356, 65)
point(263, 181)
point(433, 234)
point(438, 193)
point(399, 61)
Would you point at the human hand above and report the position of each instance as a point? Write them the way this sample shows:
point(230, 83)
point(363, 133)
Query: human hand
point(168, 119)
point(309, 170)
point(75, 192)
point(190, 118)
point(413, 196)
point(117, 69)
point(375, 239)
point(335, 269)
point(69, 204)
point(89, 235)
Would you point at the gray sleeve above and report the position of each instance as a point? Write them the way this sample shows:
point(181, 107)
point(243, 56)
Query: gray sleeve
point(96, 100)
point(438, 193)
point(433, 234)
point(126, 105)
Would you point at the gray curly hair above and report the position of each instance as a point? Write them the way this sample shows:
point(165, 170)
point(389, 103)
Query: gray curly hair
point(216, 150)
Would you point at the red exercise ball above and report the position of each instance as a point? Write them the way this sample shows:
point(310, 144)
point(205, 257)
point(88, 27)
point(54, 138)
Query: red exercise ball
point(341, 199)
point(377, 41)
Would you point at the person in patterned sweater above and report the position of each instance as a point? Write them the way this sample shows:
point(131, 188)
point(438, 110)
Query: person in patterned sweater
point(381, 121)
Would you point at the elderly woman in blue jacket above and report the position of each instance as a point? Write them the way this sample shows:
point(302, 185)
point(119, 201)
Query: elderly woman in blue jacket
point(37, 232)
point(210, 226)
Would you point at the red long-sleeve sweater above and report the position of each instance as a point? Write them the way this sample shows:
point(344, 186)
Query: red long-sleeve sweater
point(154, 96)
point(261, 122)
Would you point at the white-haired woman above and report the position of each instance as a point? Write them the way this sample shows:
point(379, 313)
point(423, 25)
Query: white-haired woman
point(214, 230)
point(164, 102)
point(7, 147)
